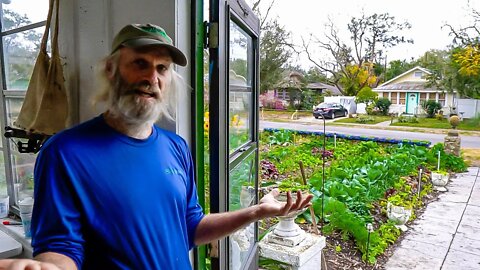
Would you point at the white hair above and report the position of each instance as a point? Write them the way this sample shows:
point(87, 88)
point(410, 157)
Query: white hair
point(177, 87)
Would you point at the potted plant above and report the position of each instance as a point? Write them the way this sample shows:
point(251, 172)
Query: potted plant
point(287, 232)
point(440, 178)
point(399, 210)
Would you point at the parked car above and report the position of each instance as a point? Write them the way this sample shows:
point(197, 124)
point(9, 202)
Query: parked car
point(329, 110)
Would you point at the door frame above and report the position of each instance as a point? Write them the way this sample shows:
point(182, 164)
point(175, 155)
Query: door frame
point(221, 161)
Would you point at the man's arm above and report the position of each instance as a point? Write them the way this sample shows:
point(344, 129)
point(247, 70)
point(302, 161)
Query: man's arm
point(43, 261)
point(216, 226)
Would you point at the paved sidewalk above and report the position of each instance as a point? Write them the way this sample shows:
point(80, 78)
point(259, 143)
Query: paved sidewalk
point(384, 124)
point(447, 235)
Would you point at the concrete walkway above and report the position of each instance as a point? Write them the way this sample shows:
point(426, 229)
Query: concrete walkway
point(447, 235)
point(384, 124)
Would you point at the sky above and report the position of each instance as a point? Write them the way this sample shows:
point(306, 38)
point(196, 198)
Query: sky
point(305, 17)
point(36, 11)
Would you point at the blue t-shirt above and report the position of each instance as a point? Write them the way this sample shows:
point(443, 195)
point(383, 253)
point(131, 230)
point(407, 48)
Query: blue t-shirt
point(109, 201)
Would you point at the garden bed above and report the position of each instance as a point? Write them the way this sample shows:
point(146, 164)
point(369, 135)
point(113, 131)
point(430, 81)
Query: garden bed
point(362, 175)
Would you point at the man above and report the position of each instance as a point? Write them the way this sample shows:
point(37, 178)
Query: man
point(117, 192)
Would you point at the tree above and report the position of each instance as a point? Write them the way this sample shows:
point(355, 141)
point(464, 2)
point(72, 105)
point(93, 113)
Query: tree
point(356, 78)
point(396, 68)
point(20, 49)
point(366, 95)
point(275, 46)
point(433, 60)
point(462, 72)
point(314, 74)
point(369, 36)
point(274, 54)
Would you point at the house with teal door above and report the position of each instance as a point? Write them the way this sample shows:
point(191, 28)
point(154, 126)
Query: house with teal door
point(408, 90)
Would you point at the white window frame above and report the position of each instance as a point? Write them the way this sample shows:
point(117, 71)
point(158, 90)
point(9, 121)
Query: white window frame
point(8, 146)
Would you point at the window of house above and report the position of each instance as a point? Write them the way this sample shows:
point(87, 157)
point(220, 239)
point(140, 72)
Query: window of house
point(423, 97)
point(402, 98)
point(22, 27)
point(418, 74)
point(441, 99)
point(394, 98)
point(385, 94)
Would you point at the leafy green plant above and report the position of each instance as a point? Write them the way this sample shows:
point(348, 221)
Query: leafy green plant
point(448, 162)
point(281, 137)
point(442, 172)
point(359, 177)
point(431, 107)
point(271, 264)
point(291, 185)
point(383, 105)
point(364, 119)
point(386, 235)
point(407, 119)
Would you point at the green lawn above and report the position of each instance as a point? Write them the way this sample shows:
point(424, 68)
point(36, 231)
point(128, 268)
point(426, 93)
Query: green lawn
point(369, 119)
point(467, 124)
point(272, 115)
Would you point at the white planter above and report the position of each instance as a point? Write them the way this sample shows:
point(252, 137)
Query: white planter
point(286, 226)
point(287, 232)
point(398, 214)
point(439, 180)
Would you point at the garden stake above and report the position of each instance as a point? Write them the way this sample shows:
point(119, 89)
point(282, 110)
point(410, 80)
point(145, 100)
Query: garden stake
point(419, 181)
point(334, 140)
point(369, 229)
point(438, 165)
point(312, 213)
point(323, 172)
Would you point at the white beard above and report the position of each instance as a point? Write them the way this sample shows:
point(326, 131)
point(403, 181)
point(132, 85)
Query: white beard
point(133, 107)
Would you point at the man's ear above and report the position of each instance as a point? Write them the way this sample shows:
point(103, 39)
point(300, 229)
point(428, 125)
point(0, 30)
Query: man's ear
point(109, 69)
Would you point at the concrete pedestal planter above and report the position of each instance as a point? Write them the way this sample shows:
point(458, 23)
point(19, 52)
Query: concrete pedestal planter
point(399, 215)
point(290, 245)
point(287, 232)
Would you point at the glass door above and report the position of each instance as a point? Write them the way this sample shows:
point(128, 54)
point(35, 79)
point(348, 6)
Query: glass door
point(234, 80)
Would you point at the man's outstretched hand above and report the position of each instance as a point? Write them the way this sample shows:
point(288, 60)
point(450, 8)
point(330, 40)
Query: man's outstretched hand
point(271, 207)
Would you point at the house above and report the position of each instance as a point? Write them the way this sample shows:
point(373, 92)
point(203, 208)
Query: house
point(407, 91)
point(323, 88)
point(294, 81)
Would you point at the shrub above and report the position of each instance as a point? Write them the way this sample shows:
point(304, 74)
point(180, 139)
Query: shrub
point(370, 108)
point(439, 116)
point(431, 107)
point(407, 119)
point(269, 101)
point(383, 105)
point(364, 119)
point(366, 95)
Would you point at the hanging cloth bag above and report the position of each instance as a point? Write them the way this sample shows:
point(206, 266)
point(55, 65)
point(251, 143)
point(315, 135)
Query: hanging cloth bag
point(45, 108)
